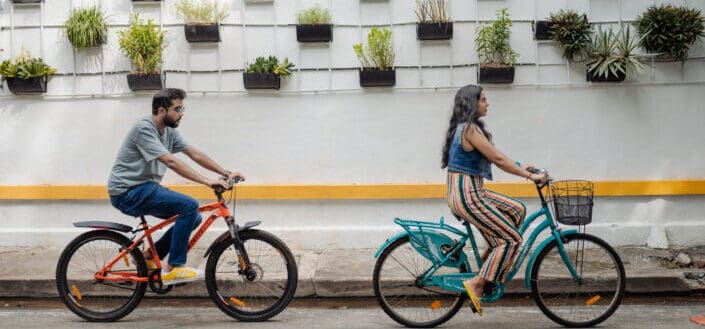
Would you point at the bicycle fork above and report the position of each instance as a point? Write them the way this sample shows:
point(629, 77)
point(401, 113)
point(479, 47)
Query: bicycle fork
point(244, 267)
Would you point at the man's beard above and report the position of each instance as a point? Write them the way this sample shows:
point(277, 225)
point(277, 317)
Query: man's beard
point(170, 122)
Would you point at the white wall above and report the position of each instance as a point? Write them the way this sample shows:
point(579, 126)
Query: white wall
point(323, 129)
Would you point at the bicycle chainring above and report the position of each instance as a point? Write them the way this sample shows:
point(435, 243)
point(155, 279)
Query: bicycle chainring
point(155, 283)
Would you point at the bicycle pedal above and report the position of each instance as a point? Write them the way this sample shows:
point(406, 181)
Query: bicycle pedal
point(489, 288)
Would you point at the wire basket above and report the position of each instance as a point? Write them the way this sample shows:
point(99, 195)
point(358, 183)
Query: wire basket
point(572, 201)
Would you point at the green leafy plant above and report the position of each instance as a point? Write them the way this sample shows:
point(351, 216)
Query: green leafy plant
point(669, 30)
point(614, 53)
point(492, 41)
point(201, 12)
point(434, 11)
point(572, 32)
point(143, 44)
point(314, 15)
point(379, 52)
point(272, 65)
point(25, 66)
point(86, 27)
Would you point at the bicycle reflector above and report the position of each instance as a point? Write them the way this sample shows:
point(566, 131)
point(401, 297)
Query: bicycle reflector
point(237, 302)
point(76, 292)
point(436, 305)
point(592, 300)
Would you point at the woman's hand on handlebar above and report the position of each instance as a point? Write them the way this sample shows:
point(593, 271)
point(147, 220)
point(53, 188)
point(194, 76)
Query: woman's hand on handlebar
point(539, 178)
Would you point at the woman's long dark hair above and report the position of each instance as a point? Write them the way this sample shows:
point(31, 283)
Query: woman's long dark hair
point(464, 111)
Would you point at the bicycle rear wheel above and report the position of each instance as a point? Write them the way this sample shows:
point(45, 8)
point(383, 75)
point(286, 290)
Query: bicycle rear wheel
point(263, 294)
point(398, 293)
point(578, 304)
point(105, 300)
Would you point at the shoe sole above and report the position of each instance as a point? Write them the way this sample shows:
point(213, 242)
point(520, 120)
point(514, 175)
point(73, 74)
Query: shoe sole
point(474, 304)
point(177, 281)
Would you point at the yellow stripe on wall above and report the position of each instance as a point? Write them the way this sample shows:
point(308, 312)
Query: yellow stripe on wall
point(352, 192)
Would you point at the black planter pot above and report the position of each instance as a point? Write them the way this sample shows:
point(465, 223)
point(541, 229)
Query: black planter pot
point(146, 0)
point(37, 85)
point(261, 80)
point(314, 32)
point(27, 1)
point(151, 81)
point(202, 33)
point(610, 77)
point(377, 78)
point(542, 30)
point(99, 41)
point(503, 74)
point(434, 31)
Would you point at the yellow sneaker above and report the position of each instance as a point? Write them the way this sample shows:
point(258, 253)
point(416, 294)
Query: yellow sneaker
point(181, 274)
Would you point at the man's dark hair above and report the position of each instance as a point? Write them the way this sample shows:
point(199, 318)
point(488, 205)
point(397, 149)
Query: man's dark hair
point(164, 97)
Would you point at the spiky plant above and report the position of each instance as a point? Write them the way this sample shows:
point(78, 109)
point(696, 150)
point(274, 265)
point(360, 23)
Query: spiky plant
point(614, 54)
point(669, 30)
point(143, 44)
point(86, 27)
point(572, 32)
point(314, 15)
point(201, 12)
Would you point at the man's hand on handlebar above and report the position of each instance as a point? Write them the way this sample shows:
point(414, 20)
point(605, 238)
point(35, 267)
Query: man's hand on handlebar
point(235, 174)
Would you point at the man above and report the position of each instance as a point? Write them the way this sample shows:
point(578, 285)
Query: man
point(140, 165)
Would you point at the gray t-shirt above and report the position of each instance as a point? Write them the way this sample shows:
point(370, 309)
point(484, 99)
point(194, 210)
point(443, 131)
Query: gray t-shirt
point(137, 161)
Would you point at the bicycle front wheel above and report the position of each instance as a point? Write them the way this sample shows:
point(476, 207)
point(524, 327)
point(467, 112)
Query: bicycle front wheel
point(103, 300)
point(395, 281)
point(255, 295)
point(582, 303)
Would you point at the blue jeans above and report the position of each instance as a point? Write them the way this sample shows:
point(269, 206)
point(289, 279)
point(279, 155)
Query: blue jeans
point(155, 200)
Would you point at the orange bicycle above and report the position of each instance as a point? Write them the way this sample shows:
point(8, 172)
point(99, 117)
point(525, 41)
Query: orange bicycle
point(250, 274)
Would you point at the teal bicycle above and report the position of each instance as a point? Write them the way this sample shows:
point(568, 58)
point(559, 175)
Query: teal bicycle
point(576, 279)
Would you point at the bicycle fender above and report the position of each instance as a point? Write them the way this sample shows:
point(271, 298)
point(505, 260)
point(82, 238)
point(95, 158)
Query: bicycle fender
point(390, 241)
point(104, 225)
point(530, 264)
point(226, 235)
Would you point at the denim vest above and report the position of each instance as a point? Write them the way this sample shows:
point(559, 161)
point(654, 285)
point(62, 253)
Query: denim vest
point(471, 163)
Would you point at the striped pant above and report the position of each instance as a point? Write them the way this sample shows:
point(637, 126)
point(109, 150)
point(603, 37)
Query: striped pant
point(497, 216)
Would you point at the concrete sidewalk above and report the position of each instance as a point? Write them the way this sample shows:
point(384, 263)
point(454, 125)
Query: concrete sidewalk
point(29, 272)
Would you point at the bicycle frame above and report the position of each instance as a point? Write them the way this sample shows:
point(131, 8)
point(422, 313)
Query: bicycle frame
point(105, 274)
point(423, 242)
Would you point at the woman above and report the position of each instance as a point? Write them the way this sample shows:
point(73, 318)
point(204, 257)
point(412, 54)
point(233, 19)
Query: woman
point(468, 154)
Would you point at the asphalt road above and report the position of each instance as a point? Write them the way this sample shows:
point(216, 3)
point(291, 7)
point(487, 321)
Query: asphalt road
point(637, 313)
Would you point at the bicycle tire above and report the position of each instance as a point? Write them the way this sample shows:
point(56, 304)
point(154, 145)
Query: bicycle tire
point(420, 296)
point(99, 301)
point(249, 300)
point(600, 291)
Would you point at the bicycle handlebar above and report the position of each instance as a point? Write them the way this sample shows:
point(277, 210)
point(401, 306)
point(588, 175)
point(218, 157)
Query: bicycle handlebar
point(219, 189)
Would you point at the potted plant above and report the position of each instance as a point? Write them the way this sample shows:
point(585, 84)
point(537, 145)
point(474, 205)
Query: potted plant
point(27, 1)
point(314, 25)
point(27, 75)
point(612, 56)
point(496, 55)
point(434, 23)
point(377, 59)
point(86, 27)
point(669, 31)
point(572, 32)
point(266, 73)
point(143, 44)
point(202, 19)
